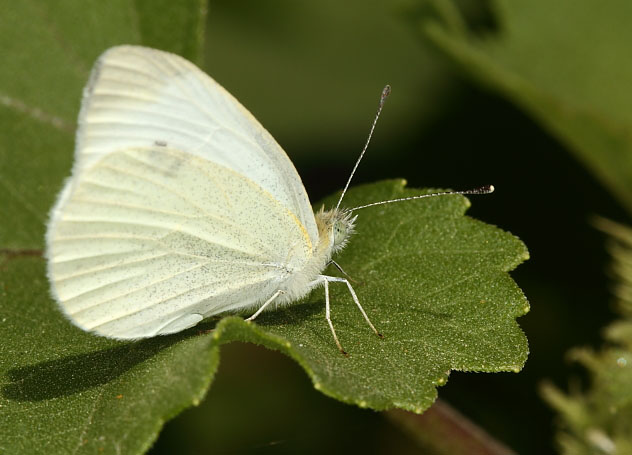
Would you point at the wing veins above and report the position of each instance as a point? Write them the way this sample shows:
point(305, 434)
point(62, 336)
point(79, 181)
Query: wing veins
point(207, 285)
point(171, 230)
point(197, 266)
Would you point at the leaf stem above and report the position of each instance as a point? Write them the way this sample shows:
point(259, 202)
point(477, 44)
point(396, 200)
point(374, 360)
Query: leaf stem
point(444, 430)
point(7, 254)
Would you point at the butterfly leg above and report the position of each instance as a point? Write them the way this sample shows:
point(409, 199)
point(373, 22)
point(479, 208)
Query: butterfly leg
point(267, 302)
point(328, 316)
point(335, 264)
point(355, 299)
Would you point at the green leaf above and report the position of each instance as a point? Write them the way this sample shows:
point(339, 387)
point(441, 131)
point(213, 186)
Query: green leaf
point(433, 281)
point(564, 63)
point(48, 49)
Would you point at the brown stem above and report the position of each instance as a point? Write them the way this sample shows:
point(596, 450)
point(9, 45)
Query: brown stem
point(11, 253)
point(6, 254)
point(444, 430)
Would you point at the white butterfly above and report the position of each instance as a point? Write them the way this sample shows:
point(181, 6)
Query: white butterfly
point(180, 206)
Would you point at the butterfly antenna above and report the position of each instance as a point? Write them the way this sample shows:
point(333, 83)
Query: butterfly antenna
point(481, 190)
point(385, 92)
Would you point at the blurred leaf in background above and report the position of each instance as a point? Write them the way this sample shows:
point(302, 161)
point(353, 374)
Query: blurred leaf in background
point(311, 72)
point(598, 418)
point(564, 63)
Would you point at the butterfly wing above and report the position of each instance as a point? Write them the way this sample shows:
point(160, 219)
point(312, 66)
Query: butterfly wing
point(138, 97)
point(151, 240)
point(134, 248)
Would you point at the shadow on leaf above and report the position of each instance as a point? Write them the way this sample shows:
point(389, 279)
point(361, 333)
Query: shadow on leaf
point(73, 374)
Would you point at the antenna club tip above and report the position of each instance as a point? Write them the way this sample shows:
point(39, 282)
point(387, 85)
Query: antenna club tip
point(482, 190)
point(386, 91)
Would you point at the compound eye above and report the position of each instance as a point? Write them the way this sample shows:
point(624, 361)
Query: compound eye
point(339, 233)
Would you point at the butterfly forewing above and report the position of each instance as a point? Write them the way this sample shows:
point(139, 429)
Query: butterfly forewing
point(138, 97)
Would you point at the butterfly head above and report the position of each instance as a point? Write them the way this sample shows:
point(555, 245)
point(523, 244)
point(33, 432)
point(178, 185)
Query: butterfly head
point(336, 226)
point(343, 227)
